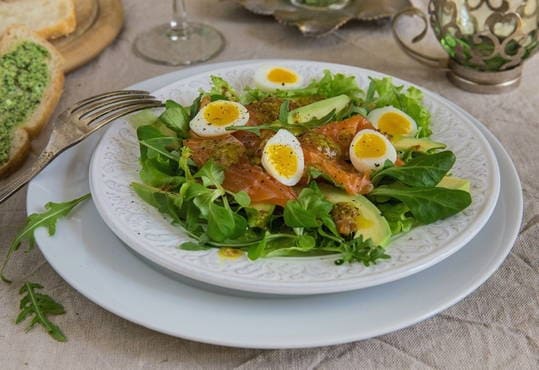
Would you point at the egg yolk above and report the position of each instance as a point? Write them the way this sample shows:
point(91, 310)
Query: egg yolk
point(370, 146)
point(282, 76)
point(221, 113)
point(283, 159)
point(394, 124)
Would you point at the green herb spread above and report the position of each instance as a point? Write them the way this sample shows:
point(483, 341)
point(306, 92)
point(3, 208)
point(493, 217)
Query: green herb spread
point(23, 77)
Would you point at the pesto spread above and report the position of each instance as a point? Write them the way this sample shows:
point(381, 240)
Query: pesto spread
point(23, 77)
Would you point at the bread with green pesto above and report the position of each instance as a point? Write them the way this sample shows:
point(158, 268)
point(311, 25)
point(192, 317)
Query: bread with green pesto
point(31, 83)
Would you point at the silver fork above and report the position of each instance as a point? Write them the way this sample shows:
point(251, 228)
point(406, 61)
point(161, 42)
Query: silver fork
point(76, 124)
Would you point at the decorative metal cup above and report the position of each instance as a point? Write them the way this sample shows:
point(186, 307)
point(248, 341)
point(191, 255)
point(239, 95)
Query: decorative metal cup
point(321, 4)
point(487, 40)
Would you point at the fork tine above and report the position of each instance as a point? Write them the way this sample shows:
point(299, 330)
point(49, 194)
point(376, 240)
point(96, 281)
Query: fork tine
point(122, 112)
point(105, 111)
point(81, 103)
point(110, 104)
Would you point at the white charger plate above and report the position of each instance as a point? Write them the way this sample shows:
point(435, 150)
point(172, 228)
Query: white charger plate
point(115, 166)
point(97, 264)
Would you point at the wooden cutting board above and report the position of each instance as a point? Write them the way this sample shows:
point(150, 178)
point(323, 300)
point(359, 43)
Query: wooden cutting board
point(98, 24)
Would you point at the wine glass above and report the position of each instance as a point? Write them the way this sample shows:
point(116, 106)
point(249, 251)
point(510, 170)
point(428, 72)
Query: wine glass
point(180, 41)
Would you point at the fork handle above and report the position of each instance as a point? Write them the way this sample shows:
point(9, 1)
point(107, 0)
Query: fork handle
point(11, 185)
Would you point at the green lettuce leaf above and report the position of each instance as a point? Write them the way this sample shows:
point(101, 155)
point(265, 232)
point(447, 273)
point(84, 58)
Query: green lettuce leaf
point(220, 89)
point(330, 85)
point(382, 92)
point(176, 118)
point(398, 217)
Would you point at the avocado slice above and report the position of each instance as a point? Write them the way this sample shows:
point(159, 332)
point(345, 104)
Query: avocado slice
point(422, 145)
point(318, 109)
point(451, 182)
point(370, 223)
point(258, 214)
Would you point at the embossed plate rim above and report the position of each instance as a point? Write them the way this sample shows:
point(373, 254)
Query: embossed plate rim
point(294, 287)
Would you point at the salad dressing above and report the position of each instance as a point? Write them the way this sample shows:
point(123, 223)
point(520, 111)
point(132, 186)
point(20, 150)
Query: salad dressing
point(230, 253)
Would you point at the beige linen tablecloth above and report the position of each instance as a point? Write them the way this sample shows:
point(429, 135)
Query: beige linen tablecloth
point(497, 326)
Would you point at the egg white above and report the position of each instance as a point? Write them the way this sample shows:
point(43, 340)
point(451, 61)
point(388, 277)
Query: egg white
point(368, 163)
point(263, 82)
point(287, 141)
point(201, 126)
point(375, 117)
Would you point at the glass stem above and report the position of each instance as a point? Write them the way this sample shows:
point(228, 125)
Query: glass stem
point(179, 27)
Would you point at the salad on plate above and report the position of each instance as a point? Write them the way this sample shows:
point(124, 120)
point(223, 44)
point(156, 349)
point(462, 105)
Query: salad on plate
point(292, 168)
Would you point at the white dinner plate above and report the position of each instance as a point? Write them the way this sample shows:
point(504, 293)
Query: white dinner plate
point(93, 261)
point(115, 166)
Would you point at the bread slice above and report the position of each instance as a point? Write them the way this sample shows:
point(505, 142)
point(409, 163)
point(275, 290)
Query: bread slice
point(49, 18)
point(24, 132)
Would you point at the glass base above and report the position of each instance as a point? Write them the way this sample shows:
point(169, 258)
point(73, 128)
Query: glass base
point(166, 45)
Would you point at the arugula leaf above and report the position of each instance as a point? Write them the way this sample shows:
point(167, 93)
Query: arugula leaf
point(283, 112)
point(160, 145)
point(282, 123)
point(422, 171)
point(48, 219)
point(176, 118)
point(156, 145)
point(40, 306)
point(427, 204)
point(382, 92)
point(359, 250)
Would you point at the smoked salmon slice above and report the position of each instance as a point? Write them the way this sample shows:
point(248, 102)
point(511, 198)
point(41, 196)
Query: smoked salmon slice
point(224, 150)
point(261, 187)
point(339, 171)
point(342, 132)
